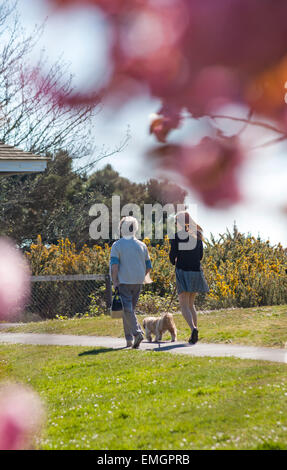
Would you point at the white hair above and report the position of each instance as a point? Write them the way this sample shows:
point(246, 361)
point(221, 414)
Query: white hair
point(128, 226)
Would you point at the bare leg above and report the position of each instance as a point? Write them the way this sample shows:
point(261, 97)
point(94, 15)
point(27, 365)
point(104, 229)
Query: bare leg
point(185, 309)
point(191, 296)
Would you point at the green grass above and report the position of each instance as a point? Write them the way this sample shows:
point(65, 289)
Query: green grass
point(259, 326)
point(126, 399)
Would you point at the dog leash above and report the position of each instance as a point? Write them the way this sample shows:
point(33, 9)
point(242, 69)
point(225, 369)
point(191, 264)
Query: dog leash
point(172, 297)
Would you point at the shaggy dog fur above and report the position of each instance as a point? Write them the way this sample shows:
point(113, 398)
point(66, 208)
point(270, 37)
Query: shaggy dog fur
point(158, 326)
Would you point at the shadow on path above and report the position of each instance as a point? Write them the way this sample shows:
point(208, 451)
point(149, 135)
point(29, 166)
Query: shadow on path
point(95, 352)
point(169, 347)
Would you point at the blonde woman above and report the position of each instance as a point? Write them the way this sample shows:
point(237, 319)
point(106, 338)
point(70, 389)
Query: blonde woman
point(186, 253)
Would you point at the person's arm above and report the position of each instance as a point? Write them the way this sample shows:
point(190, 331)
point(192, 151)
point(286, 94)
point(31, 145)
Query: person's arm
point(200, 249)
point(173, 251)
point(114, 275)
point(114, 265)
point(148, 265)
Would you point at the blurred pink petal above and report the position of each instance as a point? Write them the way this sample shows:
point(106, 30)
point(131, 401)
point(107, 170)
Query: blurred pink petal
point(209, 168)
point(211, 89)
point(21, 417)
point(167, 44)
point(194, 56)
point(144, 41)
point(15, 280)
point(247, 35)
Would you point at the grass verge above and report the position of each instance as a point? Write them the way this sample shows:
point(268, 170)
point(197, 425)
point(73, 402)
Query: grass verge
point(260, 326)
point(126, 399)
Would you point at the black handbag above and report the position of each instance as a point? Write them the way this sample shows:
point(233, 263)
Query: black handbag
point(117, 305)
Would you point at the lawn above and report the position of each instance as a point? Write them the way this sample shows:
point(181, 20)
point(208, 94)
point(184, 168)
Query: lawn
point(127, 399)
point(259, 326)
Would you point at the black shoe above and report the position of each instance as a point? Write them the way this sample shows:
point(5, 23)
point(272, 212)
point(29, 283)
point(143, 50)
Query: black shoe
point(138, 339)
point(194, 336)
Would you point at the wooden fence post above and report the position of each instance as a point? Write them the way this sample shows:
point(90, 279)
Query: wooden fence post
point(108, 291)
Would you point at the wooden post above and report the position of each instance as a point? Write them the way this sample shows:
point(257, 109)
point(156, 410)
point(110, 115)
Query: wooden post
point(108, 291)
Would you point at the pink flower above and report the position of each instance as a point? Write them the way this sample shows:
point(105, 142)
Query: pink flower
point(212, 88)
point(166, 46)
point(144, 52)
point(246, 35)
point(15, 280)
point(21, 417)
point(209, 168)
point(195, 56)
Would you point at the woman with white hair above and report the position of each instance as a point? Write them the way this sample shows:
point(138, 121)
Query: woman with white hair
point(130, 263)
point(186, 253)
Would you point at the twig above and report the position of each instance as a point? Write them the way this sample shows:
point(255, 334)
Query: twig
point(270, 142)
point(247, 121)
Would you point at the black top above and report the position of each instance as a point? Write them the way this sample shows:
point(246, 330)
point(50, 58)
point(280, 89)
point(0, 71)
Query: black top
point(186, 259)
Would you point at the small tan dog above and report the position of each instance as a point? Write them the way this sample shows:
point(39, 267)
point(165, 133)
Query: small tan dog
point(158, 326)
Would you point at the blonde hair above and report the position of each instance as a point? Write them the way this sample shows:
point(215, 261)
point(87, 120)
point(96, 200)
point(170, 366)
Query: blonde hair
point(186, 222)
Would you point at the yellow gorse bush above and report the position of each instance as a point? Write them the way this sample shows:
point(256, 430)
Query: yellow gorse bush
point(241, 271)
point(245, 271)
point(63, 258)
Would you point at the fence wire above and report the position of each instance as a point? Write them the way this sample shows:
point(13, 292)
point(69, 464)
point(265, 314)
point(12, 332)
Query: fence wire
point(53, 296)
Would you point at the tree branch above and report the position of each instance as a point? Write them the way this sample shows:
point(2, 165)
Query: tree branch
point(247, 121)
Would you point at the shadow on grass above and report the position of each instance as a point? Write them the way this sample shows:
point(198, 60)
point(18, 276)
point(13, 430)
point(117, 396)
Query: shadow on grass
point(95, 352)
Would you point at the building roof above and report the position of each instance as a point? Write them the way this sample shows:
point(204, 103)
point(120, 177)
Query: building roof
point(16, 161)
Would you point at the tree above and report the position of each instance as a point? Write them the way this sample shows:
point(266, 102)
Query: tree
point(43, 203)
point(107, 183)
point(56, 204)
point(30, 117)
point(37, 203)
point(164, 192)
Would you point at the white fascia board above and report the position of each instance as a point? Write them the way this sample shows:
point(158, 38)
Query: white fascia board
point(22, 166)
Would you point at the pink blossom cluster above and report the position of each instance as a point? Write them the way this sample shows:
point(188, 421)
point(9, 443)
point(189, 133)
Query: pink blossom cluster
point(15, 281)
point(195, 56)
point(21, 412)
point(22, 416)
point(210, 167)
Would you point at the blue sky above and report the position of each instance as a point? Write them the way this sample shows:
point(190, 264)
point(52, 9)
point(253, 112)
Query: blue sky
point(81, 39)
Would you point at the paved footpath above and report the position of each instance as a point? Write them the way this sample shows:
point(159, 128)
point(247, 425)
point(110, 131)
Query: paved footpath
point(198, 349)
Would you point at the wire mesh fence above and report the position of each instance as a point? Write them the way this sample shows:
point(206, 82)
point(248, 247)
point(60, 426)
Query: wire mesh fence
point(69, 295)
